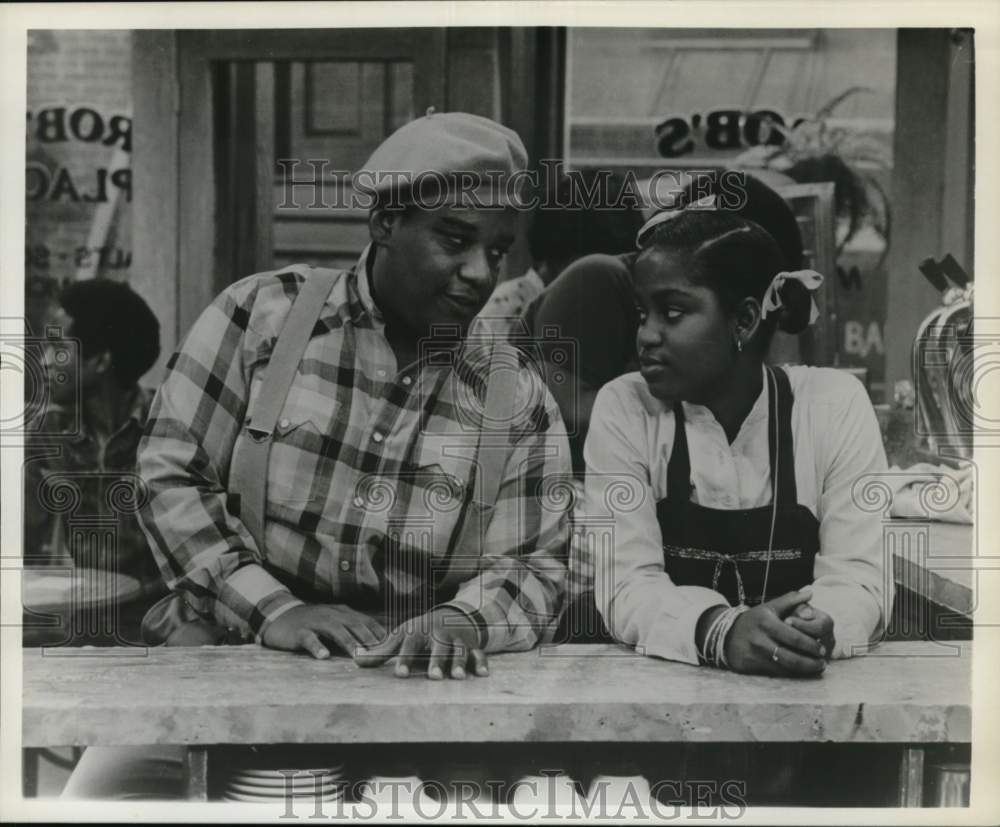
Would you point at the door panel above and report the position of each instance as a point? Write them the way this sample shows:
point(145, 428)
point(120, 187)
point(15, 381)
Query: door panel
point(338, 94)
point(339, 111)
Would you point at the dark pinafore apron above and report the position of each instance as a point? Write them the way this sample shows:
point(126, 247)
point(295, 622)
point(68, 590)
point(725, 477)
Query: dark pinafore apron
point(727, 550)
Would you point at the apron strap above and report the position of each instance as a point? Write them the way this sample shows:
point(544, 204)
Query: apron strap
point(779, 434)
point(679, 467)
point(779, 437)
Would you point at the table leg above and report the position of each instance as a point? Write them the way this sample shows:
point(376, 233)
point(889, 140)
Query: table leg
point(30, 759)
point(197, 774)
point(911, 777)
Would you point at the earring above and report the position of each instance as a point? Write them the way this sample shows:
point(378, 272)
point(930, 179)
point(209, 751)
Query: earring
point(739, 344)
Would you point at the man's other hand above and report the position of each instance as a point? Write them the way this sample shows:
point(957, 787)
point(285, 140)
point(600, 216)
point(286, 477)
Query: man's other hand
point(443, 638)
point(312, 627)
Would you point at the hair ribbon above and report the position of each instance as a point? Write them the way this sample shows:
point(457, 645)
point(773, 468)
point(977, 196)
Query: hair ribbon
point(707, 202)
point(809, 279)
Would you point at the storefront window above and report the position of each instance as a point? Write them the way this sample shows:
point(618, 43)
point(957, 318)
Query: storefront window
point(650, 99)
point(79, 159)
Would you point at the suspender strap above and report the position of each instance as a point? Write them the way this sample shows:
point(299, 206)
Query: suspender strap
point(248, 473)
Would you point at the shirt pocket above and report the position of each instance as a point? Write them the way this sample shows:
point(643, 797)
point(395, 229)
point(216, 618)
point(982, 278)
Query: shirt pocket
point(431, 501)
point(303, 456)
point(293, 464)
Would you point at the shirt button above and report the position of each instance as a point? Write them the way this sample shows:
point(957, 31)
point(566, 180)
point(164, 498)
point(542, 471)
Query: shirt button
point(284, 423)
point(345, 565)
point(381, 374)
point(407, 380)
point(359, 501)
point(377, 436)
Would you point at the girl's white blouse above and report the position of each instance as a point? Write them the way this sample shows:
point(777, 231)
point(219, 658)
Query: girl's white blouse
point(838, 449)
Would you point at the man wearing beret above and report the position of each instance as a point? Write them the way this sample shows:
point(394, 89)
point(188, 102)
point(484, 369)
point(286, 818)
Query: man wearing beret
point(374, 457)
point(386, 394)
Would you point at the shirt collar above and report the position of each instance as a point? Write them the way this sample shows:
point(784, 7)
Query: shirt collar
point(759, 409)
point(363, 283)
point(138, 411)
point(695, 413)
point(137, 415)
point(535, 280)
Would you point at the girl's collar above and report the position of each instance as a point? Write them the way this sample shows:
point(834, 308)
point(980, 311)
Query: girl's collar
point(699, 413)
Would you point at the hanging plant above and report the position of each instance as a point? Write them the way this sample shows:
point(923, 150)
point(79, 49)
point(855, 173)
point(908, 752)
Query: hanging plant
point(814, 151)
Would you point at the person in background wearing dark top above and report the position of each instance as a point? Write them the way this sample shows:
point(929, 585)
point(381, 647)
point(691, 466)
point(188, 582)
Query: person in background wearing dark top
point(41, 304)
point(558, 236)
point(94, 415)
point(591, 304)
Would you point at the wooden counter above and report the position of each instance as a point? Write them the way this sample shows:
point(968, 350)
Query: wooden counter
point(902, 693)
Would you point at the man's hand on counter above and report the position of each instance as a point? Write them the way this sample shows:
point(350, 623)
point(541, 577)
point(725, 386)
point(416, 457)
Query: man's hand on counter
point(311, 627)
point(443, 638)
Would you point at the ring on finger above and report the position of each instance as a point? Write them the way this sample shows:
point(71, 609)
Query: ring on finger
point(774, 654)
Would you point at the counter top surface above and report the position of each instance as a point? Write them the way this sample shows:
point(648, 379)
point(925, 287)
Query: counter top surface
point(902, 692)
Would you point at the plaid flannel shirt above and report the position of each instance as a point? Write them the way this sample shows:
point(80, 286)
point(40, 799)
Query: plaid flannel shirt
point(370, 477)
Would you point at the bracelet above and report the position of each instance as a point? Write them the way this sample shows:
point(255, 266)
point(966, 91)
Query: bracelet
point(711, 637)
point(731, 619)
point(706, 645)
point(718, 643)
point(714, 637)
point(714, 649)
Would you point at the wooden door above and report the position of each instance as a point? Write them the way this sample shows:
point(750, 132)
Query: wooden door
point(247, 99)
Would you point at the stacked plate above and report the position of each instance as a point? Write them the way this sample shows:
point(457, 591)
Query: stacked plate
point(256, 784)
point(550, 795)
point(614, 793)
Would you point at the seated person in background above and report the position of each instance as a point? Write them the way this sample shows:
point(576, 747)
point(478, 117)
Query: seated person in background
point(41, 299)
point(557, 237)
point(41, 305)
point(95, 413)
point(744, 548)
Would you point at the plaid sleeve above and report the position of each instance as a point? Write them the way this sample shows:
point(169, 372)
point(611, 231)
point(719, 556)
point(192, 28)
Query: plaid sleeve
point(202, 550)
point(517, 594)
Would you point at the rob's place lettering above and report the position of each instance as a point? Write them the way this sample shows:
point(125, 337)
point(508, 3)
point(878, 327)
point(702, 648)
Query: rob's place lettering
point(56, 125)
point(719, 130)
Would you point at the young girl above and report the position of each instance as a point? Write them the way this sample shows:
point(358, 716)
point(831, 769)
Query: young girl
point(742, 545)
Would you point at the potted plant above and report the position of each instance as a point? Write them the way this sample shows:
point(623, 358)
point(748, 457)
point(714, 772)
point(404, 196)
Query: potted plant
point(815, 150)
